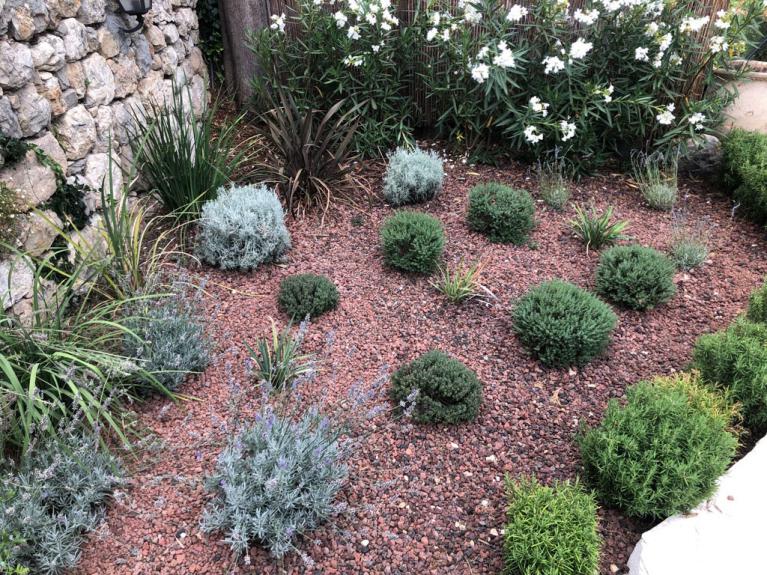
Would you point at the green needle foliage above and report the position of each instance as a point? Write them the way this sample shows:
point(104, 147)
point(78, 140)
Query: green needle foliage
point(635, 277)
point(307, 295)
point(757, 305)
point(413, 242)
point(503, 214)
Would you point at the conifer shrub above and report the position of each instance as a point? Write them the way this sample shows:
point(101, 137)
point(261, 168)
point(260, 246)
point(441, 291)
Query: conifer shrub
point(307, 294)
point(635, 277)
point(413, 176)
point(413, 242)
point(503, 214)
point(448, 391)
point(562, 324)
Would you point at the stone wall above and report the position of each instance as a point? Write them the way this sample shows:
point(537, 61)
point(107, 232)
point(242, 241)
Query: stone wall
point(71, 80)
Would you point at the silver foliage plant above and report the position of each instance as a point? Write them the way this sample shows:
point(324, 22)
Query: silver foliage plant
point(413, 176)
point(279, 474)
point(50, 499)
point(242, 228)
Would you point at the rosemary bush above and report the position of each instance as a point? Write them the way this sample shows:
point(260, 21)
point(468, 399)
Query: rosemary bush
point(636, 277)
point(304, 295)
point(412, 177)
point(744, 157)
point(503, 214)
point(757, 305)
point(413, 242)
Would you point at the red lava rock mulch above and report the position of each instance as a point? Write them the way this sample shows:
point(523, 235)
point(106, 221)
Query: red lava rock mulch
point(427, 499)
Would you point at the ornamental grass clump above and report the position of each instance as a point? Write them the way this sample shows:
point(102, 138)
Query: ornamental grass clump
point(689, 243)
point(447, 390)
point(735, 360)
point(413, 242)
point(595, 230)
point(553, 183)
point(412, 177)
point(503, 214)
point(277, 360)
point(635, 277)
point(304, 295)
point(562, 324)
point(656, 177)
point(242, 228)
point(462, 282)
point(550, 529)
point(661, 453)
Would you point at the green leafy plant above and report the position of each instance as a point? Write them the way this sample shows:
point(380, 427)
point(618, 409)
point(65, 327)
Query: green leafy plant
point(736, 360)
point(757, 305)
point(662, 452)
point(550, 529)
point(313, 152)
point(412, 241)
point(562, 324)
point(636, 277)
point(186, 159)
point(307, 295)
point(412, 177)
point(597, 231)
point(242, 228)
point(503, 214)
point(277, 360)
point(553, 182)
point(461, 283)
point(656, 176)
point(447, 390)
point(744, 159)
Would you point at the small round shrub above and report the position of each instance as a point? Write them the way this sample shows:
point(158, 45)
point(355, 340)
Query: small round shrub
point(503, 214)
point(307, 294)
point(662, 452)
point(550, 529)
point(448, 391)
point(635, 277)
point(412, 176)
point(562, 324)
point(736, 360)
point(413, 242)
point(242, 228)
point(757, 305)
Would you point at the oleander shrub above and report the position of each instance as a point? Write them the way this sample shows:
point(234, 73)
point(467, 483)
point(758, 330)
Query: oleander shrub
point(562, 324)
point(50, 499)
point(635, 277)
point(307, 294)
point(757, 305)
point(242, 228)
point(661, 453)
point(550, 529)
point(168, 337)
point(503, 214)
point(745, 172)
point(448, 391)
point(412, 241)
point(412, 177)
point(735, 360)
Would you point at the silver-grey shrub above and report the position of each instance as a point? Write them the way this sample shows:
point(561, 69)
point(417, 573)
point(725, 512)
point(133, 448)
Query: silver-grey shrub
point(242, 228)
point(50, 499)
point(412, 176)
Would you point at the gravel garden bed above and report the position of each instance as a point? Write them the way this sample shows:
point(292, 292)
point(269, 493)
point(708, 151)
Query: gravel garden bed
point(424, 498)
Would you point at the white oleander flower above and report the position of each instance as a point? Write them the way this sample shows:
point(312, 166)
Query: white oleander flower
point(353, 32)
point(641, 54)
point(652, 29)
point(665, 42)
point(697, 120)
point(354, 61)
point(612, 5)
point(318, 2)
point(505, 58)
point(471, 14)
point(480, 72)
point(675, 59)
point(587, 18)
point(431, 34)
point(691, 24)
point(580, 48)
point(568, 130)
point(483, 52)
point(278, 22)
point(718, 44)
point(606, 93)
point(435, 19)
point(371, 18)
point(722, 20)
point(666, 117)
point(539, 107)
point(516, 13)
point(532, 135)
point(445, 35)
point(376, 48)
point(340, 18)
point(553, 65)
point(385, 26)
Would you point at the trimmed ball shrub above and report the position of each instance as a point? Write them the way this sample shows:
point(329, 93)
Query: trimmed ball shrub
point(757, 305)
point(736, 359)
point(242, 228)
point(550, 529)
point(412, 242)
point(503, 214)
point(744, 156)
point(448, 391)
point(662, 452)
point(636, 277)
point(412, 176)
point(307, 294)
point(562, 324)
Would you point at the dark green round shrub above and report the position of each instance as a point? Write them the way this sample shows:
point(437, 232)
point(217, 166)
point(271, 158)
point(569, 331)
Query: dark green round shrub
point(757, 305)
point(736, 359)
point(550, 529)
point(307, 294)
point(662, 452)
point(412, 241)
point(562, 324)
point(448, 391)
point(635, 277)
point(503, 214)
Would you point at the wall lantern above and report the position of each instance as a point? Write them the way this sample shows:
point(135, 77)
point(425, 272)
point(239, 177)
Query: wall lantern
point(135, 8)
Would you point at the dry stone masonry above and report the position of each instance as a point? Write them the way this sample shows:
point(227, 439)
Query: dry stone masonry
point(72, 82)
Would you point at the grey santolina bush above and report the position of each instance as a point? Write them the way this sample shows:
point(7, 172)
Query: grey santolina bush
point(412, 176)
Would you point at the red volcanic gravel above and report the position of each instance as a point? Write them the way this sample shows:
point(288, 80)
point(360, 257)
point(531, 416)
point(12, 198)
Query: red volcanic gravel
point(424, 499)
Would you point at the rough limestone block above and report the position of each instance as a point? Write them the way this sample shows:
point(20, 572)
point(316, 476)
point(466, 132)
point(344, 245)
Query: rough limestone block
point(722, 536)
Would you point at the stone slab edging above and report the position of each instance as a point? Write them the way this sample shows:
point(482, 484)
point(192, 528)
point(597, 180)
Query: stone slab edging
point(723, 535)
